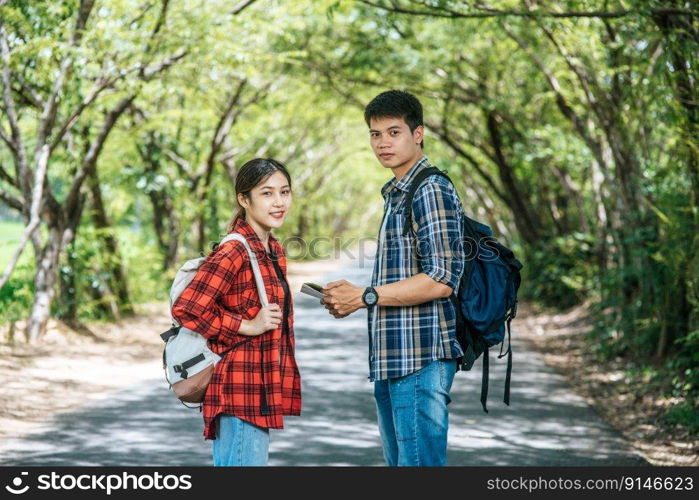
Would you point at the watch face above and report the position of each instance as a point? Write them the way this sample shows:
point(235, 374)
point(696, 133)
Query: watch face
point(371, 298)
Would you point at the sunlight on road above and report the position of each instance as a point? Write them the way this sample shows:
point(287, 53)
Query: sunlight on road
point(145, 425)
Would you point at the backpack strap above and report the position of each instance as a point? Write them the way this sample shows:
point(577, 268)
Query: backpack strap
point(484, 378)
point(258, 282)
point(508, 256)
point(253, 263)
point(506, 398)
point(414, 185)
point(182, 367)
point(264, 405)
point(170, 333)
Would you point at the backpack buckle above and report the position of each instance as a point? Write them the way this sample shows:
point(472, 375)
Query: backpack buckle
point(170, 333)
point(469, 358)
point(181, 370)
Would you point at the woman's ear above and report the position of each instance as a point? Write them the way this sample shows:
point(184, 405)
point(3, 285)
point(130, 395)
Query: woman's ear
point(242, 200)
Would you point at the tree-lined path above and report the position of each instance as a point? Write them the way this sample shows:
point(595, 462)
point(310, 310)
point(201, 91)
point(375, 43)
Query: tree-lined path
point(570, 128)
point(145, 425)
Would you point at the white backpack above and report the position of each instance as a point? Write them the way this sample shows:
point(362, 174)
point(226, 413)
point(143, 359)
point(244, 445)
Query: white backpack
point(187, 360)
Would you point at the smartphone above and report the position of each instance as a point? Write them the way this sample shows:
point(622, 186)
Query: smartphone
point(313, 290)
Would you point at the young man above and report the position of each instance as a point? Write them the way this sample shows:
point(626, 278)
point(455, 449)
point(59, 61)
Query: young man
point(412, 339)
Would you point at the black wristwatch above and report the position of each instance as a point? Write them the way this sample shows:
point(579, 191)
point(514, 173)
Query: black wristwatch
point(370, 297)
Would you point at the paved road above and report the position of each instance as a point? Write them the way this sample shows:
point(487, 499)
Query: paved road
point(546, 424)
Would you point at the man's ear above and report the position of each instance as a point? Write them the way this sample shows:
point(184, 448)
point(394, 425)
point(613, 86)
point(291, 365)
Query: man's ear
point(419, 134)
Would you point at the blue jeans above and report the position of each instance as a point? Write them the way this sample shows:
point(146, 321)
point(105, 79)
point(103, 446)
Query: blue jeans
point(239, 443)
point(413, 415)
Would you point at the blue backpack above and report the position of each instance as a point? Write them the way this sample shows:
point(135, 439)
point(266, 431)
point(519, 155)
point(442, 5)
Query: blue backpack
point(486, 301)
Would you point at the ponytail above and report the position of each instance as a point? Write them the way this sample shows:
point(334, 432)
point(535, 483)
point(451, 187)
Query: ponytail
point(240, 214)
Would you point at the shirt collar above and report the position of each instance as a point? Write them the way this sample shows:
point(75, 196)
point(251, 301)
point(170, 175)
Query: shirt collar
point(243, 227)
point(404, 183)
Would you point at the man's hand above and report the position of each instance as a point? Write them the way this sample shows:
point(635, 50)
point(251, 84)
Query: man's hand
point(342, 298)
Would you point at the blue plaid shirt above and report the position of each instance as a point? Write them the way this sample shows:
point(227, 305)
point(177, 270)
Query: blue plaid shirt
point(404, 339)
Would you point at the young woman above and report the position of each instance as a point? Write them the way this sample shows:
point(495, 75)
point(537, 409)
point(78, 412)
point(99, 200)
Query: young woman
point(257, 382)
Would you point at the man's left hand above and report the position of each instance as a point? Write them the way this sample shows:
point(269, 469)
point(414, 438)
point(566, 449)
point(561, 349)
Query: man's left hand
point(342, 298)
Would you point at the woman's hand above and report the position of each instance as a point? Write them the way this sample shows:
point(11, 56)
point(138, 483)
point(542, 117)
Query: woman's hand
point(268, 318)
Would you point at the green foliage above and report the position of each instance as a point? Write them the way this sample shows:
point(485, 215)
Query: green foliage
point(685, 366)
point(17, 296)
point(147, 282)
point(558, 273)
point(684, 414)
point(10, 233)
point(571, 137)
point(660, 382)
point(84, 267)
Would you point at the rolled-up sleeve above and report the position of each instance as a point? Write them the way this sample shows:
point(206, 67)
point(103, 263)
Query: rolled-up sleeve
point(437, 213)
point(199, 307)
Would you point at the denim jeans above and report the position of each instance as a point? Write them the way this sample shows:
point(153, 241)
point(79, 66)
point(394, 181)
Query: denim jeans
point(239, 443)
point(413, 415)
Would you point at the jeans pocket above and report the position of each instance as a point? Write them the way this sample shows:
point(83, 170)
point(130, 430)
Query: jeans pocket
point(447, 369)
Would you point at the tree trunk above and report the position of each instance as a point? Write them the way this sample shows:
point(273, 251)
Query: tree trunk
point(117, 283)
point(572, 193)
point(61, 233)
point(106, 301)
point(201, 228)
point(166, 226)
point(68, 296)
point(44, 284)
point(604, 231)
point(165, 221)
point(213, 219)
point(526, 218)
point(174, 232)
point(302, 228)
point(11, 333)
point(485, 208)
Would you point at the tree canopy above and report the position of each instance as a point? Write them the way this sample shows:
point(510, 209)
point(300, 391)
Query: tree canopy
point(572, 129)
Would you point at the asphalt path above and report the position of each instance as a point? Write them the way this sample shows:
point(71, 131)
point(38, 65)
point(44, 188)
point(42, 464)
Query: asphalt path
point(144, 425)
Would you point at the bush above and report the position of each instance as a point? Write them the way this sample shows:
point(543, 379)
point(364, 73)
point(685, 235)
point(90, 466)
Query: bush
point(17, 296)
point(143, 264)
point(684, 414)
point(557, 273)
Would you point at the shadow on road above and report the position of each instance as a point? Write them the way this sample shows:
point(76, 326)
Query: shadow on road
point(546, 425)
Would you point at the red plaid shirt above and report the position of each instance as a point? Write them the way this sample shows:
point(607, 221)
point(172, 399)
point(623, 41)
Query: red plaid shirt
point(258, 381)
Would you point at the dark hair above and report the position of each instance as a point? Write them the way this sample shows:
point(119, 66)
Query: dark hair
point(250, 175)
point(395, 104)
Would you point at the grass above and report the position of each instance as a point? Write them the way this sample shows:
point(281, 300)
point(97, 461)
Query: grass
point(10, 233)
